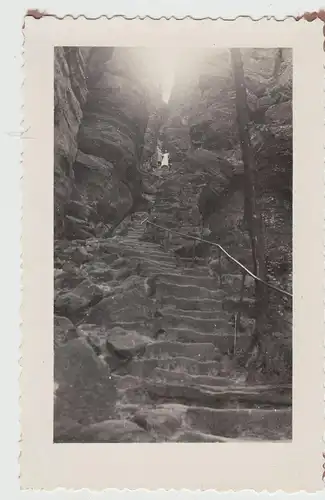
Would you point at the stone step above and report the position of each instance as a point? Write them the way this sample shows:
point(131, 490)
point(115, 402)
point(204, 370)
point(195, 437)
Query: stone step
point(203, 325)
point(129, 239)
point(188, 279)
point(202, 424)
point(207, 396)
point(151, 268)
point(141, 251)
point(194, 305)
point(160, 375)
point(109, 259)
point(268, 424)
point(185, 378)
point(213, 314)
point(124, 382)
point(193, 271)
point(166, 349)
point(107, 431)
point(169, 207)
point(231, 285)
point(165, 420)
point(144, 367)
point(158, 266)
point(189, 436)
point(132, 233)
point(223, 342)
point(154, 265)
point(138, 247)
point(187, 291)
point(140, 326)
point(156, 258)
point(158, 255)
point(132, 239)
point(199, 263)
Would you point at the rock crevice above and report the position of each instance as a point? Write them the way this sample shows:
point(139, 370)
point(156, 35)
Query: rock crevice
point(102, 106)
point(148, 344)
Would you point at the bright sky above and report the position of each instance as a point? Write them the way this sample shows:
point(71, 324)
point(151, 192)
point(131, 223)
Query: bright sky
point(160, 64)
point(167, 84)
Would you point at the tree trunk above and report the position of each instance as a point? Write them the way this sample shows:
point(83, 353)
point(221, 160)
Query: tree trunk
point(253, 219)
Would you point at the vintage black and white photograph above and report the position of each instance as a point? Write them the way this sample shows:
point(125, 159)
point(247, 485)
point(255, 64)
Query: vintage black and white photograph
point(172, 245)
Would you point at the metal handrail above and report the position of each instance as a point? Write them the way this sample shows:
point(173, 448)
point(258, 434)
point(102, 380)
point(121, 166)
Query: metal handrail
point(239, 264)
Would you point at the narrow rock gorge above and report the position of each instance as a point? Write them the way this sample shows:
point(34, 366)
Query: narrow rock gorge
point(155, 303)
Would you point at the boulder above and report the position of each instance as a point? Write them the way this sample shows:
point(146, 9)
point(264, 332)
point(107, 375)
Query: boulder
point(99, 270)
point(77, 228)
point(80, 255)
point(73, 302)
point(78, 209)
point(64, 330)
point(85, 392)
point(280, 114)
point(125, 343)
point(96, 336)
point(126, 304)
point(114, 431)
point(164, 420)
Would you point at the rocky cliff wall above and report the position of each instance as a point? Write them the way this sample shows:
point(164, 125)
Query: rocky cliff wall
point(70, 94)
point(103, 101)
point(202, 133)
point(202, 129)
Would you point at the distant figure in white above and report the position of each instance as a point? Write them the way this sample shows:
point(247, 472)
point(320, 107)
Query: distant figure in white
point(165, 160)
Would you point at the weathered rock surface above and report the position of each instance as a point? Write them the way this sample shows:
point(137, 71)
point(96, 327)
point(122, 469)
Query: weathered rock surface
point(85, 392)
point(114, 431)
point(70, 94)
point(97, 177)
point(163, 420)
point(64, 330)
point(73, 302)
point(202, 109)
point(156, 364)
point(151, 341)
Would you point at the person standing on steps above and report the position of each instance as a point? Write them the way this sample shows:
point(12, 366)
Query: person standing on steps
point(165, 160)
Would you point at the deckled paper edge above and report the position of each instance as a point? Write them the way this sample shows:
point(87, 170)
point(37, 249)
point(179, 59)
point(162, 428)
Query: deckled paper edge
point(22, 254)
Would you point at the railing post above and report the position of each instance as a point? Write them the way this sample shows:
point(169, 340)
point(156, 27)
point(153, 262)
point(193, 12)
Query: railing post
point(241, 298)
point(219, 267)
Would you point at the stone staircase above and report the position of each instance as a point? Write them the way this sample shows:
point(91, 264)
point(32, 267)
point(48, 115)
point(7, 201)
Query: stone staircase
point(174, 358)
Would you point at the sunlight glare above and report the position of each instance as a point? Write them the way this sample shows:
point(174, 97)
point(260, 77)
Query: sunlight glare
point(159, 66)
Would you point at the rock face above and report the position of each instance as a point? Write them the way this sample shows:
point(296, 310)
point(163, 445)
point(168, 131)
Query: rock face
point(103, 102)
point(203, 126)
point(151, 340)
point(84, 391)
point(202, 132)
point(70, 94)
